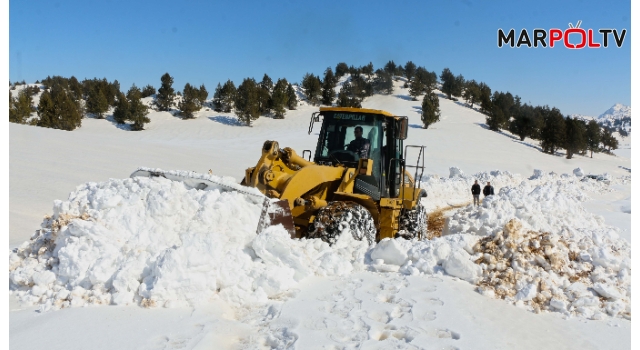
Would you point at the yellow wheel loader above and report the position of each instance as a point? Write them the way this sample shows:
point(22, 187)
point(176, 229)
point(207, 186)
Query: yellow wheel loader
point(358, 179)
point(369, 191)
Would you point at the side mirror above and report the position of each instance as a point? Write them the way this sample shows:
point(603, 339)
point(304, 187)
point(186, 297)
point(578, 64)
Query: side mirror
point(402, 128)
point(315, 117)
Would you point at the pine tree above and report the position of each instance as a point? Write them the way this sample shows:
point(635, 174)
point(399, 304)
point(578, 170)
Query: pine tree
point(229, 93)
point(246, 103)
point(552, 133)
point(70, 116)
point(134, 92)
point(46, 110)
point(347, 96)
point(292, 98)
point(609, 142)
point(430, 109)
point(502, 108)
point(593, 136)
point(360, 88)
point(538, 122)
point(424, 81)
point(367, 70)
point(165, 95)
point(13, 116)
point(21, 108)
point(448, 82)
point(341, 69)
point(113, 91)
point(328, 85)
point(121, 113)
point(458, 86)
point(523, 123)
point(574, 139)
point(390, 68)
point(202, 94)
point(137, 110)
point(495, 119)
point(312, 88)
point(400, 71)
point(383, 82)
point(97, 103)
point(416, 88)
point(190, 102)
point(409, 70)
point(58, 110)
point(264, 94)
point(148, 91)
point(217, 98)
point(485, 98)
point(280, 98)
point(471, 92)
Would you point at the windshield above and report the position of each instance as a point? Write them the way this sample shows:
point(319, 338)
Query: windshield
point(347, 137)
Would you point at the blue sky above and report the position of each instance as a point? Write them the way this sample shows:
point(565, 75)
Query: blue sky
point(206, 42)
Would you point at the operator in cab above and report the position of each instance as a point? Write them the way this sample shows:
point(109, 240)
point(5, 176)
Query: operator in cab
point(360, 145)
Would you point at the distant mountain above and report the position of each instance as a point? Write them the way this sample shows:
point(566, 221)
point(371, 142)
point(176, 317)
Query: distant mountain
point(617, 118)
point(586, 118)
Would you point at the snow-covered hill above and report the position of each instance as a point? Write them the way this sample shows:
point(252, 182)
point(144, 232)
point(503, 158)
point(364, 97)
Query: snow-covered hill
point(155, 243)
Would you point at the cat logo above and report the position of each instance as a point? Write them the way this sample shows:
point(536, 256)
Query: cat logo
point(349, 117)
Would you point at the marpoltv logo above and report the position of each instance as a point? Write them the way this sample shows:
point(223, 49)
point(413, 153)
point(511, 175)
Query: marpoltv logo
point(572, 37)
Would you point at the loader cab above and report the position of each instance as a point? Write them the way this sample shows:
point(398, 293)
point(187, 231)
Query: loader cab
point(383, 131)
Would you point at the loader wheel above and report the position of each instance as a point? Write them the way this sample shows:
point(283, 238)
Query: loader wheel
point(336, 217)
point(413, 223)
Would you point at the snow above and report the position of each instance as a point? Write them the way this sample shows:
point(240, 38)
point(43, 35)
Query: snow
point(158, 244)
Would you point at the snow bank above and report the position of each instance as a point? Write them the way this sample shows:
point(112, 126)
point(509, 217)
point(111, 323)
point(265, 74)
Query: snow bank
point(546, 271)
point(156, 242)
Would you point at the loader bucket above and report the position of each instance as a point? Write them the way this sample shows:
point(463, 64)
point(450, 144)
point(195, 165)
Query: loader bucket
point(274, 213)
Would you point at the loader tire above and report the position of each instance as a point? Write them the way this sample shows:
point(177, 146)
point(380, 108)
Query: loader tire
point(413, 223)
point(336, 217)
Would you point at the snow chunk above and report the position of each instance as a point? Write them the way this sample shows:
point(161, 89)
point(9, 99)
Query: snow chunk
point(459, 264)
point(390, 251)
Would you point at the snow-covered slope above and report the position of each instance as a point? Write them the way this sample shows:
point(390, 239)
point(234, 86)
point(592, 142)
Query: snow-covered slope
point(186, 247)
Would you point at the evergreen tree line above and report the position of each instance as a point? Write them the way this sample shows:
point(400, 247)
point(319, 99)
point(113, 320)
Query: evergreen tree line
point(251, 99)
point(543, 123)
point(364, 81)
point(65, 101)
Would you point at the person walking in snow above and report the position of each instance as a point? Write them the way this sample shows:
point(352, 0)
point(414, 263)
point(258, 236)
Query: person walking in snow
point(488, 190)
point(475, 191)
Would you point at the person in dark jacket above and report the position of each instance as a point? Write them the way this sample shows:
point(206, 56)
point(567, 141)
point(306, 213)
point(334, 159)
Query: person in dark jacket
point(475, 191)
point(360, 145)
point(488, 190)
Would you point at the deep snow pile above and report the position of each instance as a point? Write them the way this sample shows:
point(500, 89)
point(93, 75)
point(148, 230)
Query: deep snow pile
point(156, 242)
point(534, 245)
point(551, 272)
